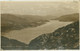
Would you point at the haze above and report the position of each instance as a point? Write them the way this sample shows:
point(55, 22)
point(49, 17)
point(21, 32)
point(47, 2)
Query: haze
point(39, 8)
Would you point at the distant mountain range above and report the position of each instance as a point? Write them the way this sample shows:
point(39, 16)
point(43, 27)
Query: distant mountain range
point(63, 38)
point(69, 17)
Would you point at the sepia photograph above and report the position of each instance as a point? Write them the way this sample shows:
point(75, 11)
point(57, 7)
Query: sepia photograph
point(34, 25)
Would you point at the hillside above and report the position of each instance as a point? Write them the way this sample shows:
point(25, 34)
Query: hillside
point(63, 38)
point(15, 22)
point(9, 22)
point(11, 44)
point(33, 18)
point(69, 17)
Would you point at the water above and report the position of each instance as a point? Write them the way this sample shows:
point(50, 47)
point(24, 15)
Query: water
point(27, 34)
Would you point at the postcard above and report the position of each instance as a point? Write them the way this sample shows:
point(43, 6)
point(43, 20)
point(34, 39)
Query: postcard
point(39, 25)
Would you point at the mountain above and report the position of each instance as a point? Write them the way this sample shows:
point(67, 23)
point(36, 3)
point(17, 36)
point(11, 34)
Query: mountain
point(69, 17)
point(11, 44)
point(32, 18)
point(15, 22)
point(63, 38)
point(9, 22)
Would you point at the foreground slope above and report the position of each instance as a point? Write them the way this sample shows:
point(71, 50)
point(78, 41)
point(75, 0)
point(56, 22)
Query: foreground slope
point(12, 44)
point(63, 38)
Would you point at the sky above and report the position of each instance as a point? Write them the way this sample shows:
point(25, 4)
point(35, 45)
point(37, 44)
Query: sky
point(39, 8)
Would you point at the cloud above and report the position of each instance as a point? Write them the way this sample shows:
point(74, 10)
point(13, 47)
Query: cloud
point(39, 8)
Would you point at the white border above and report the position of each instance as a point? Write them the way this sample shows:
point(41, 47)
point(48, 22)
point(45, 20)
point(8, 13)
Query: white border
point(39, 0)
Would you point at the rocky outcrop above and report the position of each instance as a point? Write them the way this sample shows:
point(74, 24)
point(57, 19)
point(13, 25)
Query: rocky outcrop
point(63, 38)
